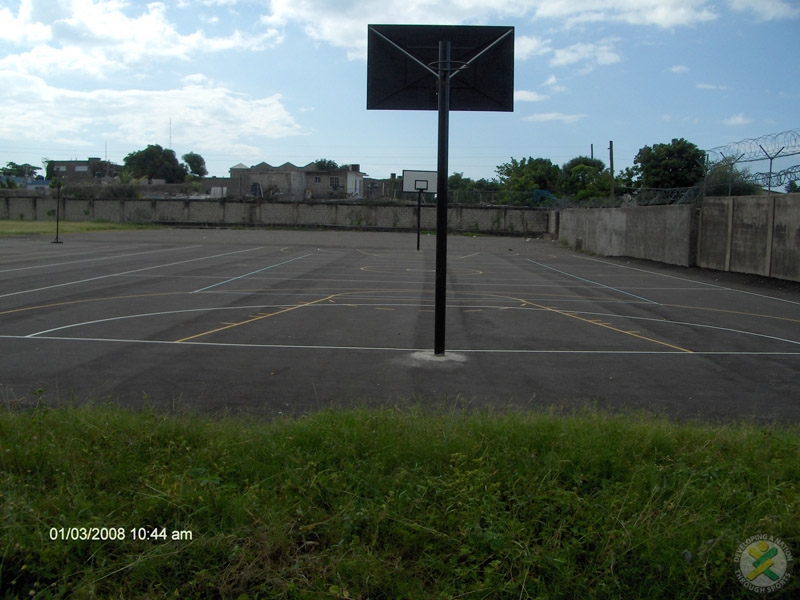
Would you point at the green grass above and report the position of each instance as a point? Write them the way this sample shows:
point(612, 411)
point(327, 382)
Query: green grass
point(16, 227)
point(389, 503)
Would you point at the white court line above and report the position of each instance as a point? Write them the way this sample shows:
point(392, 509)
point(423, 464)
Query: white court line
point(76, 262)
point(390, 349)
point(181, 262)
point(608, 287)
point(155, 314)
point(251, 273)
point(713, 285)
point(353, 301)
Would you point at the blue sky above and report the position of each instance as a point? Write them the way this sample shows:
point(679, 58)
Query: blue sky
point(241, 81)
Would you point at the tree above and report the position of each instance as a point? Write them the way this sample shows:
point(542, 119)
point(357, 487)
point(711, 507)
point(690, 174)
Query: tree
point(155, 162)
point(12, 169)
point(725, 179)
point(678, 164)
point(792, 187)
point(585, 177)
point(529, 174)
point(325, 164)
point(457, 181)
point(196, 163)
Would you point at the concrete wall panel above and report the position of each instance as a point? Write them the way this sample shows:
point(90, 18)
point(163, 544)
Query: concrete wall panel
point(750, 235)
point(714, 233)
point(77, 210)
point(108, 210)
point(206, 211)
point(23, 209)
point(170, 211)
point(660, 233)
point(786, 238)
point(138, 211)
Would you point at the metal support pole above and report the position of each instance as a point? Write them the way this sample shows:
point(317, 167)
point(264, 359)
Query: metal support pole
point(441, 196)
point(419, 216)
point(58, 214)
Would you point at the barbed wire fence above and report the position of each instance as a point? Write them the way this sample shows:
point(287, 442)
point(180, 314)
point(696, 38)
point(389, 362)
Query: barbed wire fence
point(727, 172)
point(765, 149)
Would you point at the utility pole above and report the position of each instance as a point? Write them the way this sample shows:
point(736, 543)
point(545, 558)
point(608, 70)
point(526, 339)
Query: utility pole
point(611, 155)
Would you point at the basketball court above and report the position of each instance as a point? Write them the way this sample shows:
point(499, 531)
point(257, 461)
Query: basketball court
point(270, 322)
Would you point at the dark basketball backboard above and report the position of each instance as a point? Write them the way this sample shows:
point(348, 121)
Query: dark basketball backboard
point(402, 67)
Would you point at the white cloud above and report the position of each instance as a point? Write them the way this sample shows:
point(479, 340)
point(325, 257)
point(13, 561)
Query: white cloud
point(525, 47)
point(679, 69)
point(203, 114)
point(96, 37)
point(552, 83)
point(711, 86)
point(601, 53)
point(659, 13)
point(737, 120)
point(528, 96)
point(554, 116)
point(21, 28)
point(767, 10)
point(344, 24)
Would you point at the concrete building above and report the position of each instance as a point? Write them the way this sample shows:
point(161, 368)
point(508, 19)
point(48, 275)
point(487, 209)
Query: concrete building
point(76, 171)
point(290, 182)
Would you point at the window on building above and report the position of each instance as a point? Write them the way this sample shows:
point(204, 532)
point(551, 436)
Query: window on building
point(335, 183)
point(317, 179)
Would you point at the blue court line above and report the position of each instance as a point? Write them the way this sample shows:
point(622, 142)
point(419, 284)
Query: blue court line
point(608, 287)
point(251, 273)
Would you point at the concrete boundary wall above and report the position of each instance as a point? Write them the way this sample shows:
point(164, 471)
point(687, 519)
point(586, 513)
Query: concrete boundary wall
point(751, 234)
point(665, 234)
point(351, 215)
point(745, 234)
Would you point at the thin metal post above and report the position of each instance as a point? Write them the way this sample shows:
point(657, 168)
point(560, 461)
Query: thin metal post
point(419, 216)
point(58, 213)
point(441, 196)
point(771, 158)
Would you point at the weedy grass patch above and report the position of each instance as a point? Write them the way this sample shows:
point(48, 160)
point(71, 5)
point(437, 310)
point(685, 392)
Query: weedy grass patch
point(386, 503)
point(9, 227)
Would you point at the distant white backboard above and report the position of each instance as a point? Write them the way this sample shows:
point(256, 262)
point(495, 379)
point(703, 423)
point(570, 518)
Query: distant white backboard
point(416, 181)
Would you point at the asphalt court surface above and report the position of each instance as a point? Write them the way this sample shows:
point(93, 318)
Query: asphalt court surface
point(270, 322)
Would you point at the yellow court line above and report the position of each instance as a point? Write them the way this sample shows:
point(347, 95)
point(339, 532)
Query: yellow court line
point(612, 328)
point(604, 325)
point(254, 319)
